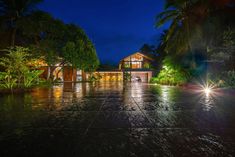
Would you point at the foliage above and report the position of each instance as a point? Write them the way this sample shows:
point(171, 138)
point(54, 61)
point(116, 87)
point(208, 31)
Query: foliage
point(30, 77)
point(178, 36)
point(16, 71)
point(148, 49)
point(71, 55)
point(127, 66)
point(49, 37)
point(13, 11)
point(225, 51)
point(93, 78)
point(15, 62)
point(7, 81)
point(230, 78)
point(171, 74)
point(196, 27)
point(224, 79)
point(146, 65)
point(81, 54)
point(107, 65)
point(127, 76)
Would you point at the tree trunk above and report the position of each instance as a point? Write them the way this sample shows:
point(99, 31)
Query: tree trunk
point(36, 40)
point(193, 64)
point(13, 36)
point(48, 72)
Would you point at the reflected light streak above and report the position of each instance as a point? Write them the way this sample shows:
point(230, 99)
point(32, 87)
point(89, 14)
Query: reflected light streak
point(165, 96)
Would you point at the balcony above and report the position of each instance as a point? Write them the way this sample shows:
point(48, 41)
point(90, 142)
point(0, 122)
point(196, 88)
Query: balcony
point(135, 65)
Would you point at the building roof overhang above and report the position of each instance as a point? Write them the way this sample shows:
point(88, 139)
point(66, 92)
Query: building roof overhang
point(139, 53)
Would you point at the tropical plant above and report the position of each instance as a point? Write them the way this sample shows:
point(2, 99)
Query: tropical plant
point(146, 65)
point(93, 78)
point(230, 78)
point(126, 76)
point(16, 70)
point(7, 80)
point(224, 79)
point(184, 35)
point(30, 77)
point(15, 62)
point(49, 37)
point(171, 73)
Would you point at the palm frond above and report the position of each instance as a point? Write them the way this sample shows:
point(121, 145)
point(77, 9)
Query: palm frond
point(166, 13)
point(171, 30)
point(165, 19)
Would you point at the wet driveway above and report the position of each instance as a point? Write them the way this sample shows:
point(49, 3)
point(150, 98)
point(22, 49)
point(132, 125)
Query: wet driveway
point(112, 119)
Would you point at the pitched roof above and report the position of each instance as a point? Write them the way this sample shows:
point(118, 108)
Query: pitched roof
point(143, 55)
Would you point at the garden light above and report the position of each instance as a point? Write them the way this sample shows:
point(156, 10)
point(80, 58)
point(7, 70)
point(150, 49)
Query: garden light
point(207, 90)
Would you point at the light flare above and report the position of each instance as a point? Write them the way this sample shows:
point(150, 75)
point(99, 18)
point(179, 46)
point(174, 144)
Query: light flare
point(207, 88)
point(207, 91)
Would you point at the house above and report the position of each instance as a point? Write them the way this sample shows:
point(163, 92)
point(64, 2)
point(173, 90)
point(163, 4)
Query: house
point(135, 68)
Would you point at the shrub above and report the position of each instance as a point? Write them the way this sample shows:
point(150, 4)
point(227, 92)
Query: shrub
point(16, 71)
point(146, 65)
point(224, 79)
point(171, 74)
point(93, 78)
point(30, 77)
point(7, 80)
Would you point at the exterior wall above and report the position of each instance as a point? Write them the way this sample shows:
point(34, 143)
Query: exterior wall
point(70, 75)
point(64, 74)
point(142, 75)
point(135, 61)
point(150, 75)
point(45, 72)
point(109, 75)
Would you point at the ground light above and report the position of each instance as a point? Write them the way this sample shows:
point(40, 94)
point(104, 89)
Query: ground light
point(207, 91)
point(207, 88)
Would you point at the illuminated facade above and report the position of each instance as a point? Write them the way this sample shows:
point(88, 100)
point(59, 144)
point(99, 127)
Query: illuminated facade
point(136, 61)
point(136, 66)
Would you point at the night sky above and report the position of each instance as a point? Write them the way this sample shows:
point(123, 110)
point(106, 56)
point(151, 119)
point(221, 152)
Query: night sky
point(116, 27)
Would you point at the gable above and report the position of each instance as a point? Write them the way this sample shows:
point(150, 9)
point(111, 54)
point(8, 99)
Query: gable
point(137, 57)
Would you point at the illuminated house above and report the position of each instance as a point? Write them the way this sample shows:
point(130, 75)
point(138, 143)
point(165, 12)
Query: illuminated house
point(134, 68)
point(138, 66)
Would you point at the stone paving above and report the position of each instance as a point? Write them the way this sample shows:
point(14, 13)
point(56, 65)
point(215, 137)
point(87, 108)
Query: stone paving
point(112, 119)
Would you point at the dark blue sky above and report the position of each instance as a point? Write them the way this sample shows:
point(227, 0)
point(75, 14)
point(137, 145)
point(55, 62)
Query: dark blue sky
point(116, 27)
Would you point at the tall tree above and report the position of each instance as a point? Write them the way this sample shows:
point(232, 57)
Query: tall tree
point(15, 10)
point(148, 49)
point(185, 17)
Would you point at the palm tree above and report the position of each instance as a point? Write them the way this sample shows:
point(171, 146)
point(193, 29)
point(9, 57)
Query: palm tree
point(183, 14)
point(185, 17)
point(13, 11)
